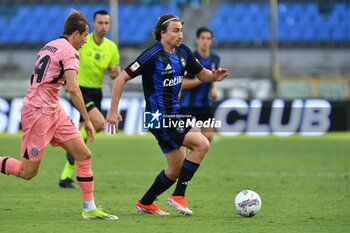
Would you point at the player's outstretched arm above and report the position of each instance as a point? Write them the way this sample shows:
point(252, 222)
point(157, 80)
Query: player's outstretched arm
point(78, 101)
point(113, 117)
point(213, 76)
point(188, 83)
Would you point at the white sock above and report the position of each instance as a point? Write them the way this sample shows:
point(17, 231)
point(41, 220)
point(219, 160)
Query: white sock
point(89, 205)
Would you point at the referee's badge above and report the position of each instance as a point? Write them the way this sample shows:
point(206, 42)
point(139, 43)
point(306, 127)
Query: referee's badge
point(183, 62)
point(97, 56)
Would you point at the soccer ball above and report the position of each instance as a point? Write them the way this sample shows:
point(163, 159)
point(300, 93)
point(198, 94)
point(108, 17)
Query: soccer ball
point(248, 203)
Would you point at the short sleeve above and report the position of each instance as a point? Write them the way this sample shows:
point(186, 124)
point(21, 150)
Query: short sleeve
point(137, 67)
point(70, 61)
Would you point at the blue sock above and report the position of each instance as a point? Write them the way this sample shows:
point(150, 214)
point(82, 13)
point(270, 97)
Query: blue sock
point(187, 171)
point(160, 185)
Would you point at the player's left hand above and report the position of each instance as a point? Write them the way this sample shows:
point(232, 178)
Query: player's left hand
point(89, 129)
point(220, 74)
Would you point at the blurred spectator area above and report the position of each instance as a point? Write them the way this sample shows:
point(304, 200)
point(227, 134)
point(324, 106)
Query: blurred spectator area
point(300, 23)
point(314, 37)
point(37, 23)
point(235, 23)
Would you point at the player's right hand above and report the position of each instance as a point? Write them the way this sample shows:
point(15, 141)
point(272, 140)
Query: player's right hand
point(112, 122)
point(220, 74)
point(89, 129)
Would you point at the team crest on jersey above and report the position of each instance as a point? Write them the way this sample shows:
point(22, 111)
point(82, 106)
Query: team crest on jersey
point(35, 152)
point(134, 66)
point(183, 62)
point(97, 56)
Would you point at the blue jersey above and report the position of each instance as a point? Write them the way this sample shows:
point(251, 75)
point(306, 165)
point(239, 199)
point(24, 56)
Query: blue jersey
point(198, 97)
point(162, 75)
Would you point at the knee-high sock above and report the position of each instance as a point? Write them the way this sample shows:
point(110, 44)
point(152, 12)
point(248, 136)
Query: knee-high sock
point(187, 171)
point(10, 166)
point(160, 185)
point(85, 179)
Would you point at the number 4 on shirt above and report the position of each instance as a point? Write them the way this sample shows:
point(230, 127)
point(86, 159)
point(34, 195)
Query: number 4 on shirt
point(40, 69)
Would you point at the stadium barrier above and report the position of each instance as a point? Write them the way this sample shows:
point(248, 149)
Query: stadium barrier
point(309, 117)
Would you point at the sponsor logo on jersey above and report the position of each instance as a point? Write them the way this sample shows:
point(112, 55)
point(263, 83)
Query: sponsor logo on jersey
point(168, 69)
point(173, 81)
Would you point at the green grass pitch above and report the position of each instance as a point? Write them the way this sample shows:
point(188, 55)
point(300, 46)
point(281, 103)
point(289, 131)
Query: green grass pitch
point(304, 183)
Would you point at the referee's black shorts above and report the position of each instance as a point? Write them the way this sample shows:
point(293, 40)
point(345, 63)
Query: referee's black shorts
point(92, 98)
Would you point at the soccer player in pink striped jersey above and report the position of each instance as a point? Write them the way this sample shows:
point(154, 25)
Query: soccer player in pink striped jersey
point(44, 120)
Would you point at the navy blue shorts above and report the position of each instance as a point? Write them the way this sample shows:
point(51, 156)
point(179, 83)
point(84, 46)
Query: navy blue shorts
point(170, 138)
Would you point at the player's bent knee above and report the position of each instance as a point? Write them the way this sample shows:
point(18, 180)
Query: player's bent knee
point(100, 126)
point(29, 176)
point(86, 155)
point(204, 146)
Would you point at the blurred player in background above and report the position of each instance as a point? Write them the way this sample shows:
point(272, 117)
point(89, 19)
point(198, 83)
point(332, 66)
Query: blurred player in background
point(196, 96)
point(96, 56)
point(162, 67)
point(43, 119)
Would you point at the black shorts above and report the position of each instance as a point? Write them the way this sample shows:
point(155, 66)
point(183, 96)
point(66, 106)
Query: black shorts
point(170, 138)
point(201, 114)
point(92, 98)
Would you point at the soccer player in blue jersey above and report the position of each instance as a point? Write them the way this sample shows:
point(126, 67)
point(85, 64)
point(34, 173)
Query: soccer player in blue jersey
point(196, 96)
point(162, 67)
